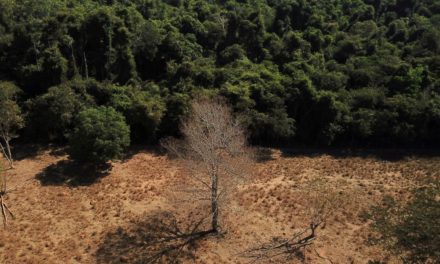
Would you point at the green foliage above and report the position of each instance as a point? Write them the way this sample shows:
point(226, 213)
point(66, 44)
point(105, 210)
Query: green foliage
point(51, 115)
point(257, 92)
point(232, 53)
point(412, 230)
point(143, 109)
point(321, 72)
point(11, 118)
point(100, 135)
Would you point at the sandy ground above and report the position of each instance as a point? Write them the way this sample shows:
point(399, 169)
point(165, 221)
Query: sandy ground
point(58, 220)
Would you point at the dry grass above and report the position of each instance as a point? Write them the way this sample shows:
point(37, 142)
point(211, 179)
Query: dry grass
point(60, 222)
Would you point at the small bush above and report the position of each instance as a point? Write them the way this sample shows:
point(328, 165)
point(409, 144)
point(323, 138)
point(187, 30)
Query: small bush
point(101, 134)
point(412, 231)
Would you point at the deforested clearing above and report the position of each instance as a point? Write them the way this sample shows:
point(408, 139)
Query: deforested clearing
point(108, 221)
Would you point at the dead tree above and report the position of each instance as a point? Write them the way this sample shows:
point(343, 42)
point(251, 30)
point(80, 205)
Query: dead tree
point(10, 119)
point(213, 151)
point(322, 203)
point(284, 248)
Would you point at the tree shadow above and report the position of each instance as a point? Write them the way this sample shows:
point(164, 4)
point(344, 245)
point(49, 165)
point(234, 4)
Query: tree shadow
point(71, 173)
point(160, 238)
point(263, 154)
point(386, 154)
point(23, 151)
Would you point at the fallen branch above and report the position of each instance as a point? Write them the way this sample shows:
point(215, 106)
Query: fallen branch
point(5, 210)
point(3, 207)
point(281, 248)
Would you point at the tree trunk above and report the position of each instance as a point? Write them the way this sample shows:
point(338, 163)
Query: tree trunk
point(4, 151)
point(86, 68)
point(7, 153)
point(214, 201)
point(75, 68)
point(35, 51)
point(8, 148)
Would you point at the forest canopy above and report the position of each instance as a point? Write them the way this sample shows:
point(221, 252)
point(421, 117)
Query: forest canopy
point(362, 72)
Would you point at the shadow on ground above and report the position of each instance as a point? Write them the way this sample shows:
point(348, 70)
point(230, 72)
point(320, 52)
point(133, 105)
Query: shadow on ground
point(380, 154)
point(160, 238)
point(25, 151)
point(67, 172)
point(263, 154)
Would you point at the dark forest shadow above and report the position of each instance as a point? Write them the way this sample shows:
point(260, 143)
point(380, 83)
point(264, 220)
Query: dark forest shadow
point(71, 173)
point(380, 154)
point(160, 238)
point(26, 151)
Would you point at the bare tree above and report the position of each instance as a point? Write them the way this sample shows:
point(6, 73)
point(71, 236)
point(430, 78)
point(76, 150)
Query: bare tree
point(10, 118)
point(284, 249)
point(321, 202)
point(281, 250)
point(213, 151)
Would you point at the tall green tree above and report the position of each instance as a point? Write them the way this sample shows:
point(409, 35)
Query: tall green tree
point(11, 119)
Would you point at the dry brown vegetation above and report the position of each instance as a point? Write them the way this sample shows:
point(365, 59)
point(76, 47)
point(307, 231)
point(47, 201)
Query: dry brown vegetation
point(213, 153)
point(117, 218)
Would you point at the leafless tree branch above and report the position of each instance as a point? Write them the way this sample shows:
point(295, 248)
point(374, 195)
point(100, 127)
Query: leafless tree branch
point(284, 248)
point(213, 152)
point(3, 206)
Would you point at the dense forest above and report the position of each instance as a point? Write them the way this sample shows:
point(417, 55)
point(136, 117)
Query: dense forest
point(334, 72)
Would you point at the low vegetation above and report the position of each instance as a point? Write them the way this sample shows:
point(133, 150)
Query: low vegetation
point(121, 217)
point(411, 230)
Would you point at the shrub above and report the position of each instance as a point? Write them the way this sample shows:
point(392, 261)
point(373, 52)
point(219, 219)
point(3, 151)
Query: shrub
point(101, 134)
point(413, 230)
